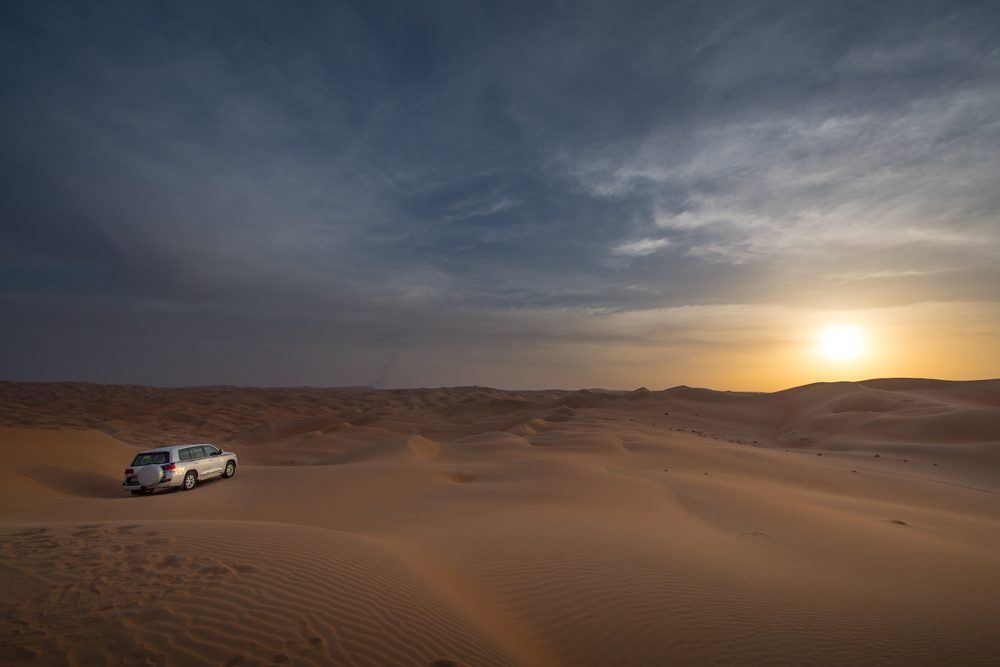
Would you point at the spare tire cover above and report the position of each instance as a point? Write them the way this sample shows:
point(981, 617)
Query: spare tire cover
point(149, 475)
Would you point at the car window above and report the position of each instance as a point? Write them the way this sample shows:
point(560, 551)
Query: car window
point(151, 458)
point(185, 454)
point(212, 451)
point(203, 451)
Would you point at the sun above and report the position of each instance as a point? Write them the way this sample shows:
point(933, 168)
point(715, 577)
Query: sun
point(842, 343)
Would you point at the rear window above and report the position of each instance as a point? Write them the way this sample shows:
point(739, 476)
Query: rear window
point(151, 458)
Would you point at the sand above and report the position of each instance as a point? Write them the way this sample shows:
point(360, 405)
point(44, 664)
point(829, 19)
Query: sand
point(831, 524)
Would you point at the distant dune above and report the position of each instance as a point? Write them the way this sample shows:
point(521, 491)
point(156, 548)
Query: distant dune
point(829, 524)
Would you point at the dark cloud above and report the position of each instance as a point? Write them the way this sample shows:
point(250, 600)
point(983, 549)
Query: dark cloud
point(337, 191)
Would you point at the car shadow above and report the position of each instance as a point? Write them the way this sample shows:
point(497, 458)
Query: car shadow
point(74, 482)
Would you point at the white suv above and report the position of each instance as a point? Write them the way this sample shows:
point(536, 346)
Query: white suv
point(178, 466)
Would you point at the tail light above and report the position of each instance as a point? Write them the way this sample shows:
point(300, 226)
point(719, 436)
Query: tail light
point(129, 471)
point(169, 467)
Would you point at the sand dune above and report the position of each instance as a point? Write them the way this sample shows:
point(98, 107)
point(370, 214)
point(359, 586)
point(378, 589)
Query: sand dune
point(831, 524)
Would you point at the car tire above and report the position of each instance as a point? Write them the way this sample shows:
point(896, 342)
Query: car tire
point(190, 480)
point(230, 470)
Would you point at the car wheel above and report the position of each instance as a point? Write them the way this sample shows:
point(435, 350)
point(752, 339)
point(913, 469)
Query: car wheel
point(148, 492)
point(190, 480)
point(230, 470)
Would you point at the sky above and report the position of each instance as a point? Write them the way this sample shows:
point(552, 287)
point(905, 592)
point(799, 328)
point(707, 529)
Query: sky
point(513, 194)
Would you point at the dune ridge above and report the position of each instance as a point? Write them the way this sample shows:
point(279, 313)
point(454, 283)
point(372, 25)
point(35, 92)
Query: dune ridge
point(831, 524)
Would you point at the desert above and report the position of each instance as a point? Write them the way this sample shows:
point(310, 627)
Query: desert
point(367, 333)
point(847, 523)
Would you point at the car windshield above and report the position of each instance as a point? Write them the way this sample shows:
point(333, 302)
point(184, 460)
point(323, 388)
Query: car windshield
point(151, 458)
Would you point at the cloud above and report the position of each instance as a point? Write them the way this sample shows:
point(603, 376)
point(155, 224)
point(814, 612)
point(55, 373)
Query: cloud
point(480, 206)
point(641, 247)
point(914, 181)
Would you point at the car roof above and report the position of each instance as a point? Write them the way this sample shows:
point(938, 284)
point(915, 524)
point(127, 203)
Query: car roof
point(173, 448)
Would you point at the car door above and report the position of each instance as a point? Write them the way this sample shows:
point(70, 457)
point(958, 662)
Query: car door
point(188, 457)
point(212, 461)
point(200, 462)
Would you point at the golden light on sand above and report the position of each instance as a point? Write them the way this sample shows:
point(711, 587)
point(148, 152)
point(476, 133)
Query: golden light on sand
point(842, 343)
